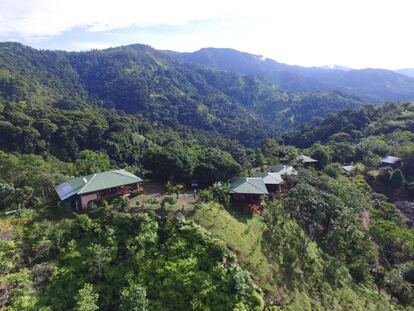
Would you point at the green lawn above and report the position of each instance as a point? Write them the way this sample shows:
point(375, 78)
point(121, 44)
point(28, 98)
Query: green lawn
point(242, 233)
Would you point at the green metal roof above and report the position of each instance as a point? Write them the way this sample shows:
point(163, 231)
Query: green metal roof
point(248, 185)
point(269, 178)
point(95, 182)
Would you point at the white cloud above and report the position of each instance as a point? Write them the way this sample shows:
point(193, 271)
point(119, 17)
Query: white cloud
point(34, 18)
point(353, 32)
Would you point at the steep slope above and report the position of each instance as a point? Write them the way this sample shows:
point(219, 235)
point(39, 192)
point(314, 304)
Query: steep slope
point(135, 79)
point(372, 85)
point(392, 121)
point(37, 75)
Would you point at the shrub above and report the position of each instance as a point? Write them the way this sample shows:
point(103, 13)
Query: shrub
point(168, 199)
point(7, 195)
point(322, 156)
point(399, 287)
point(333, 170)
point(133, 298)
point(362, 184)
point(206, 195)
point(87, 299)
point(220, 192)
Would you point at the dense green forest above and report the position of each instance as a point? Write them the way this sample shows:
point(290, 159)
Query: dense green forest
point(309, 249)
point(140, 80)
point(333, 240)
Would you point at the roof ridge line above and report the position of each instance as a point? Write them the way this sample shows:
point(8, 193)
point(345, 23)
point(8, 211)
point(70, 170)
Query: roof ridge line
point(254, 185)
point(87, 183)
point(124, 175)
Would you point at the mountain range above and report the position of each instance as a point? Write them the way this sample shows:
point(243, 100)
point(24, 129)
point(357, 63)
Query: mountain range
point(222, 92)
point(371, 85)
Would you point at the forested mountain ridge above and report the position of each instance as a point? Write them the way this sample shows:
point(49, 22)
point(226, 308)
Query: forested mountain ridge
point(371, 85)
point(129, 79)
point(141, 80)
point(356, 125)
point(72, 114)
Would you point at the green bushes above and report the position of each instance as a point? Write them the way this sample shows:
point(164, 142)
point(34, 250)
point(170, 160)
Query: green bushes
point(218, 192)
point(87, 299)
point(90, 162)
point(327, 209)
point(333, 170)
point(395, 283)
point(121, 260)
point(322, 155)
point(178, 163)
point(133, 298)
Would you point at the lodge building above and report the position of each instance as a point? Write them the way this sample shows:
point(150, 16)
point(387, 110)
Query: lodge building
point(248, 192)
point(77, 193)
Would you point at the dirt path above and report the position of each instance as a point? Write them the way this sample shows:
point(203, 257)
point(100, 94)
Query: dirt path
point(366, 222)
point(365, 219)
point(185, 199)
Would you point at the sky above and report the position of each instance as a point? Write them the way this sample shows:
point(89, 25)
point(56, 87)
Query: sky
point(352, 33)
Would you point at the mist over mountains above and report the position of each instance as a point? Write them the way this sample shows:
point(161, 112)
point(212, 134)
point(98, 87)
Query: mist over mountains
point(371, 85)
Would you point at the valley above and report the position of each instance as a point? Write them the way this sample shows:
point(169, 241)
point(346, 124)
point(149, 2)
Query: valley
point(179, 231)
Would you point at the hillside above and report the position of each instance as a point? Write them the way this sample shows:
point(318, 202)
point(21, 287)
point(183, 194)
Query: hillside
point(371, 85)
point(387, 121)
point(327, 239)
point(141, 80)
point(133, 79)
point(154, 256)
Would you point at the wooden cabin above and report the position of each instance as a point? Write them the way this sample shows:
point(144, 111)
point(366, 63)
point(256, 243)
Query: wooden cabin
point(272, 181)
point(306, 161)
point(77, 193)
point(247, 193)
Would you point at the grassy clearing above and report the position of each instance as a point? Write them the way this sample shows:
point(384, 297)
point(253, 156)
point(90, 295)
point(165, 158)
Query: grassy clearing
point(242, 233)
point(154, 193)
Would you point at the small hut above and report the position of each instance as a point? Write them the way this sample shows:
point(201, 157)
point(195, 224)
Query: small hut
point(390, 161)
point(272, 181)
point(283, 170)
point(348, 169)
point(306, 161)
point(247, 193)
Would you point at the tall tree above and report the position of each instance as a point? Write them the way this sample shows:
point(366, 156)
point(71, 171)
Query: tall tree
point(89, 162)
